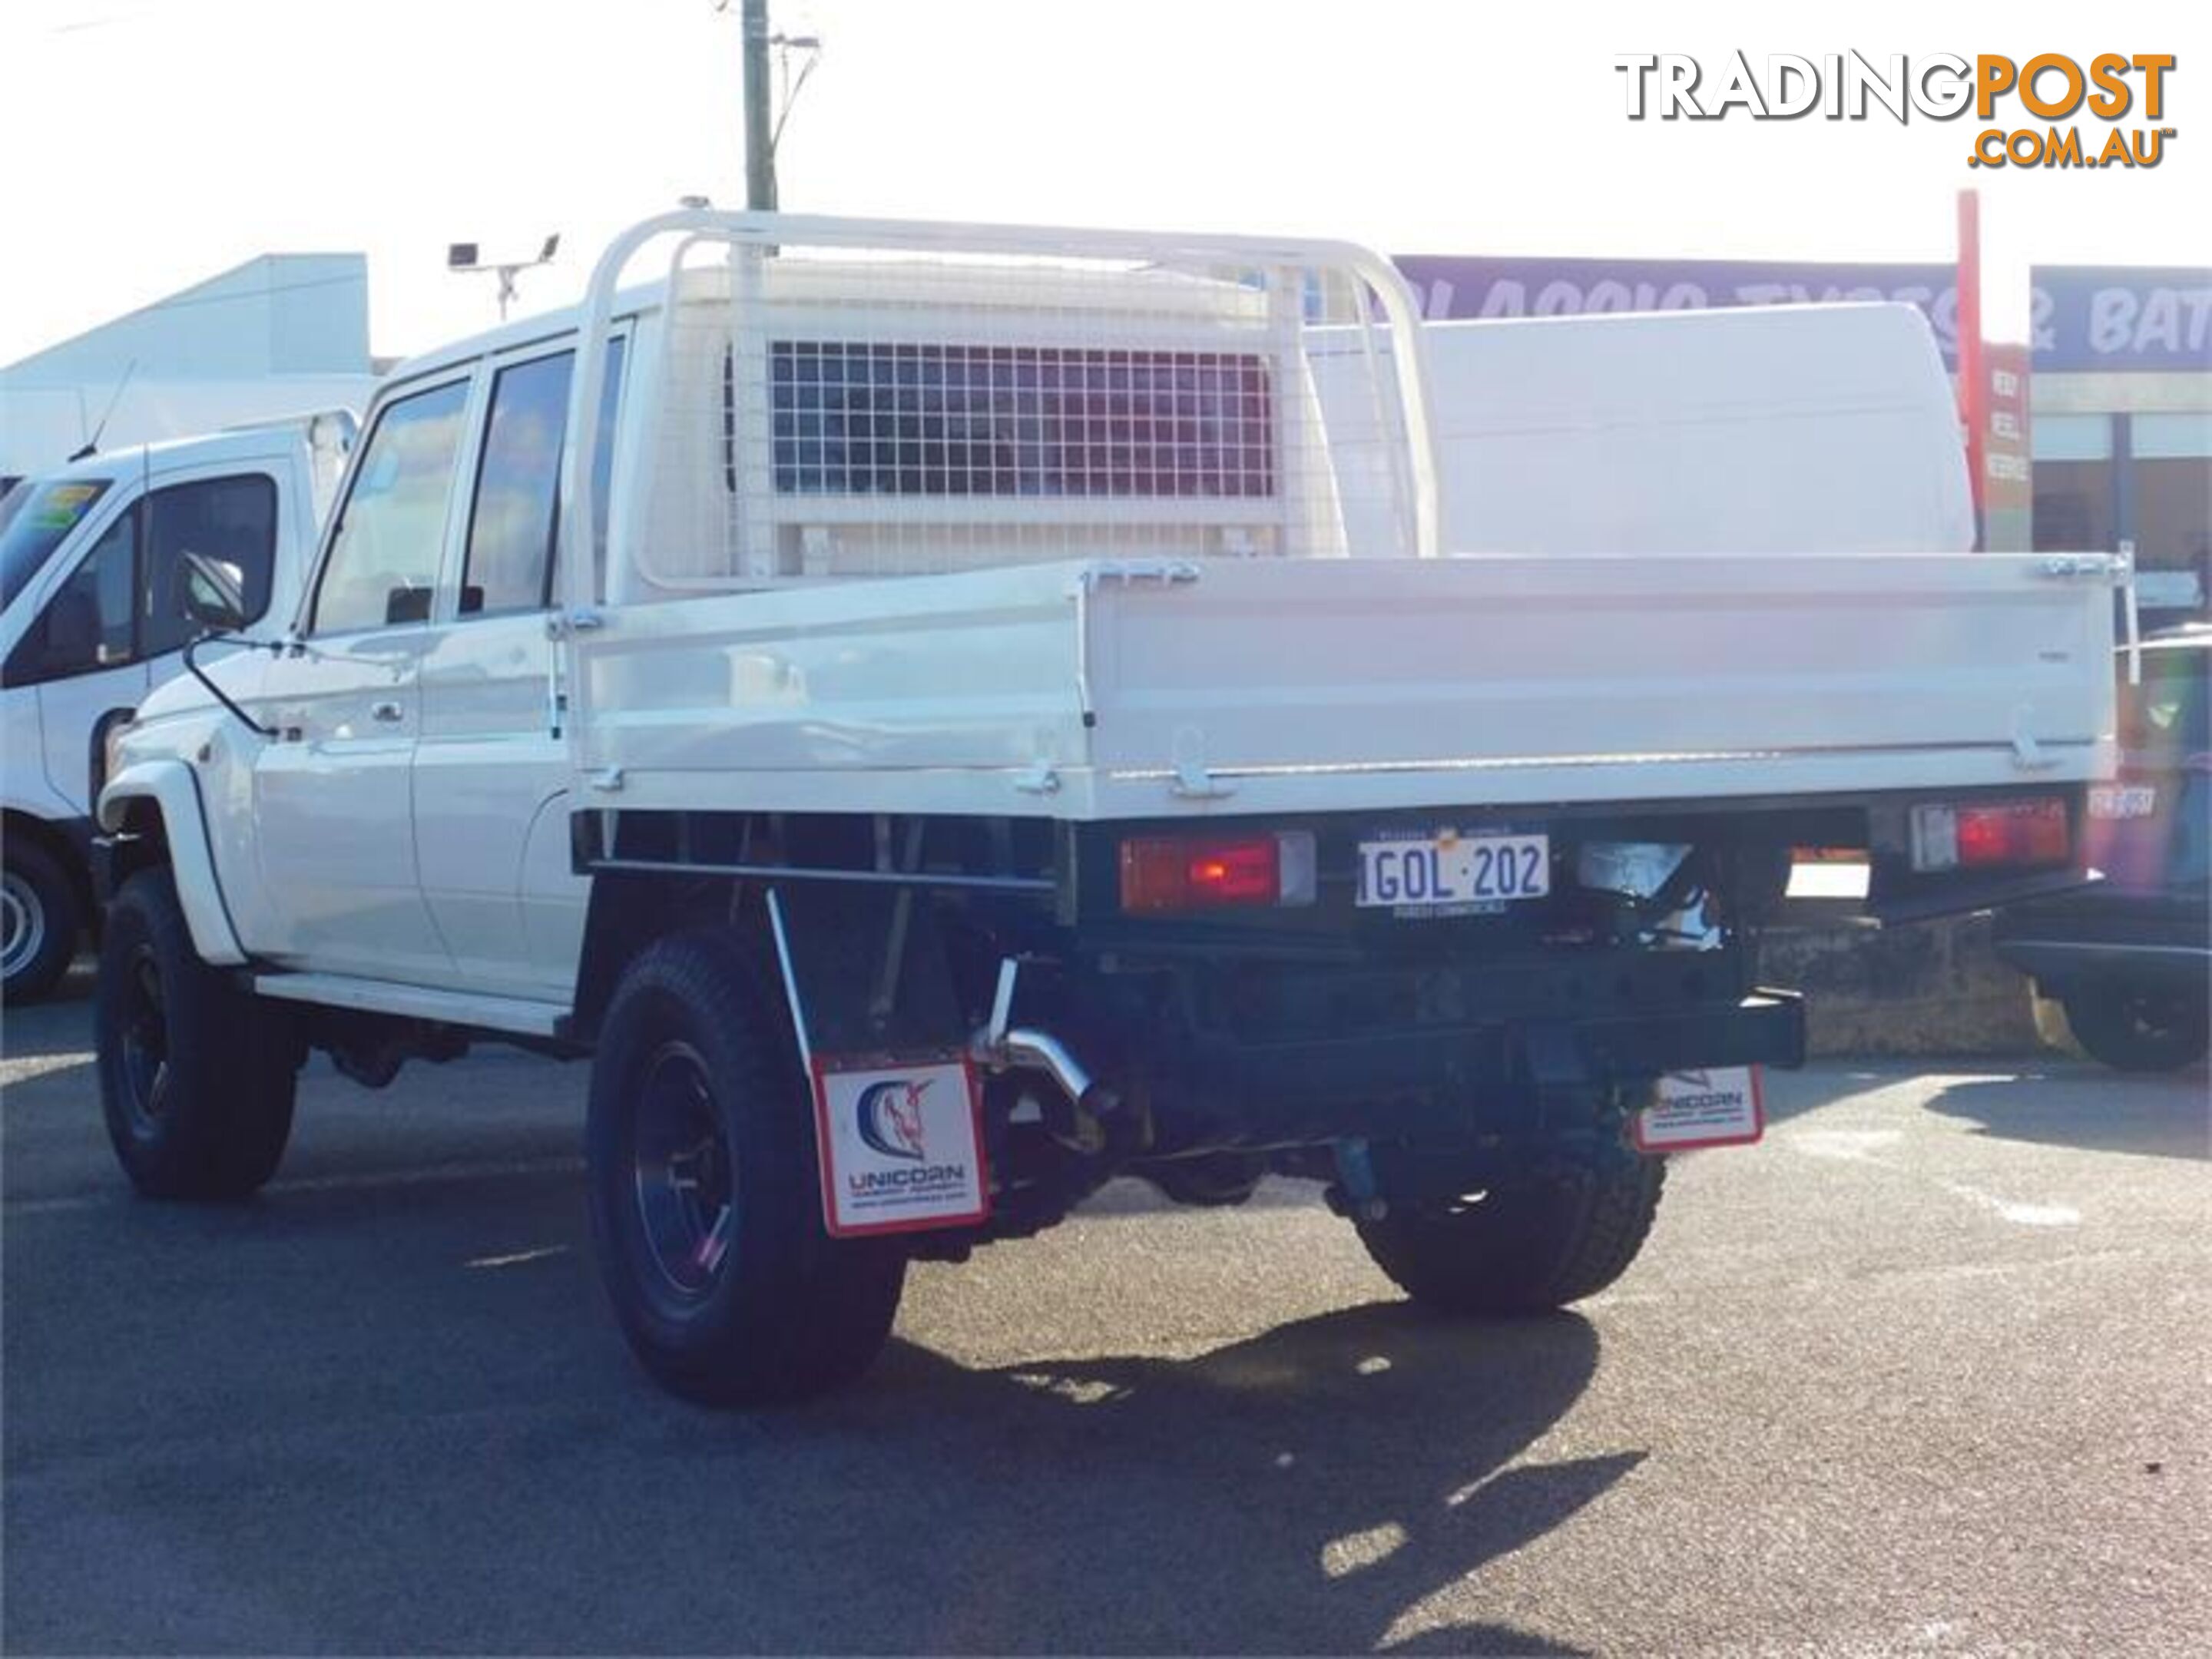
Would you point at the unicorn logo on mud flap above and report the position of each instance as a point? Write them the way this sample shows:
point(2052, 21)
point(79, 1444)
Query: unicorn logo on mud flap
point(889, 1117)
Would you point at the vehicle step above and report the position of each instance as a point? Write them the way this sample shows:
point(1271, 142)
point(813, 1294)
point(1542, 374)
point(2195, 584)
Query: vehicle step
point(522, 1015)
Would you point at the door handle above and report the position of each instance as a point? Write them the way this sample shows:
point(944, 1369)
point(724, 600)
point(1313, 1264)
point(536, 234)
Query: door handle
point(384, 711)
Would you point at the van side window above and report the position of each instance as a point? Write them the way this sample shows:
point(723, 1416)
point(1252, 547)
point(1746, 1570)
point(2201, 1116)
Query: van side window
point(35, 520)
point(383, 565)
point(512, 522)
point(126, 600)
point(218, 536)
point(87, 624)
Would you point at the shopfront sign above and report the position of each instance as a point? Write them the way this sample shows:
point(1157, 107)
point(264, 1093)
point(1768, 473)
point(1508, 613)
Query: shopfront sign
point(2087, 319)
point(2101, 319)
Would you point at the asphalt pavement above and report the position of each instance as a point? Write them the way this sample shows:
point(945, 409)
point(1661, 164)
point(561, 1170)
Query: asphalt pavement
point(1927, 1371)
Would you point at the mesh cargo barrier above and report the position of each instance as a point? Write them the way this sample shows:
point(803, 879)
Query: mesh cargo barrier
point(831, 412)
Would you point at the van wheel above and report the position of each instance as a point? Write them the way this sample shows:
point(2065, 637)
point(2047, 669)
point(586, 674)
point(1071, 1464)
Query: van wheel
point(197, 1075)
point(40, 918)
point(706, 1202)
point(1563, 1228)
point(2139, 1028)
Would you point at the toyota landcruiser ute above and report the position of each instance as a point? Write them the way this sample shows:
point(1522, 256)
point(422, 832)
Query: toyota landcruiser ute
point(942, 717)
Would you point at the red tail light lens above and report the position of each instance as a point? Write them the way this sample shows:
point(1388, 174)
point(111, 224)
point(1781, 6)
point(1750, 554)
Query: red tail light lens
point(2013, 834)
point(2020, 832)
point(1165, 873)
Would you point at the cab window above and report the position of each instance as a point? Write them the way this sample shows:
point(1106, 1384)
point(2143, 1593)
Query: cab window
point(383, 562)
point(513, 520)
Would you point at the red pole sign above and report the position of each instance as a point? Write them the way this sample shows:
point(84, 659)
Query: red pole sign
point(1993, 389)
point(1973, 383)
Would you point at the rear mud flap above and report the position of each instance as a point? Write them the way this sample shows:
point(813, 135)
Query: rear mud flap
point(1724, 1106)
point(897, 1106)
point(901, 1143)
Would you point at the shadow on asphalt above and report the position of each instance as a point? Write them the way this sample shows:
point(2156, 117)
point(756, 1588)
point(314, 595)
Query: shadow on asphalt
point(1299, 1491)
point(2091, 1109)
point(453, 1452)
point(458, 1458)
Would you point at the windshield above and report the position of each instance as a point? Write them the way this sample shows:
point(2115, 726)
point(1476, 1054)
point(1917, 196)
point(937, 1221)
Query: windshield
point(38, 516)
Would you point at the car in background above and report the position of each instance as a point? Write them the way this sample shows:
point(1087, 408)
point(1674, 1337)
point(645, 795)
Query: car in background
point(2131, 957)
point(97, 560)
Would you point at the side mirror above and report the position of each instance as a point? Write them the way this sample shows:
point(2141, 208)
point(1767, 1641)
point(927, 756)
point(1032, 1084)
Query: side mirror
point(406, 605)
point(213, 592)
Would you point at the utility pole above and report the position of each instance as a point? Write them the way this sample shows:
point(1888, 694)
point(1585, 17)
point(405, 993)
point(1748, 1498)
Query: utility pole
point(760, 147)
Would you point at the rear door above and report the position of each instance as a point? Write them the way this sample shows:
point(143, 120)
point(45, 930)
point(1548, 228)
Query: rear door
point(491, 767)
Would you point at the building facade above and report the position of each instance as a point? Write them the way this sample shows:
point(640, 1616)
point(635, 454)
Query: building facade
point(283, 334)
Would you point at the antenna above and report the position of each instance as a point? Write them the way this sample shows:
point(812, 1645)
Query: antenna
point(92, 444)
point(462, 257)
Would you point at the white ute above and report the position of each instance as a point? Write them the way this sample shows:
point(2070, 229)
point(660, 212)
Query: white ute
point(102, 562)
point(945, 716)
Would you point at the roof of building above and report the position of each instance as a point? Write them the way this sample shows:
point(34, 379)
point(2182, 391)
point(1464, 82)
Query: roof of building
point(278, 314)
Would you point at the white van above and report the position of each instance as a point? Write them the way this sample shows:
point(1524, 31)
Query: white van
point(94, 559)
point(1776, 429)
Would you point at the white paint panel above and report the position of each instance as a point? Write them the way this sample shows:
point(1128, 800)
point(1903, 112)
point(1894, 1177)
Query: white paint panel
point(1785, 429)
point(331, 809)
point(485, 764)
point(1512, 658)
point(1323, 686)
point(976, 671)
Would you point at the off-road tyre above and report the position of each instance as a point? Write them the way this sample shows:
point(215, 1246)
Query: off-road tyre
point(43, 920)
point(197, 1073)
point(2140, 1028)
point(1562, 1229)
point(706, 1199)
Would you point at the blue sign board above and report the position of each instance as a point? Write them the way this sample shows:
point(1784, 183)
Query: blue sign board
point(2087, 318)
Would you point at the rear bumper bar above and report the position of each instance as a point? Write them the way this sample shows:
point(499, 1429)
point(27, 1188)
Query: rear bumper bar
point(1472, 1079)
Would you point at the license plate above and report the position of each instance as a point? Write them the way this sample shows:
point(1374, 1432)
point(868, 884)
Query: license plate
point(1450, 870)
point(2122, 800)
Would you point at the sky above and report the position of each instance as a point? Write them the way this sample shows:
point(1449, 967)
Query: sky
point(151, 144)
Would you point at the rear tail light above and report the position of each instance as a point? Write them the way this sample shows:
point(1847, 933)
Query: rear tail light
point(1162, 874)
point(1995, 835)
